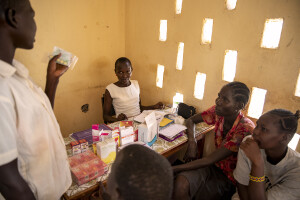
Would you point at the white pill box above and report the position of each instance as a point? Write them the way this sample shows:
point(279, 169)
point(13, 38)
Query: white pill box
point(66, 58)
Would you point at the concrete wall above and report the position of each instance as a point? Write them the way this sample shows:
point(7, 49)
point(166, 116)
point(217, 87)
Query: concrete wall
point(95, 32)
point(100, 31)
point(240, 29)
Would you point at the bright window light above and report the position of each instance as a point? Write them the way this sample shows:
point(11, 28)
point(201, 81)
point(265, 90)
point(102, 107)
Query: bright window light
point(257, 102)
point(231, 4)
point(178, 98)
point(294, 142)
point(229, 65)
point(180, 56)
point(163, 30)
point(272, 32)
point(207, 30)
point(160, 75)
point(297, 91)
point(199, 85)
point(178, 6)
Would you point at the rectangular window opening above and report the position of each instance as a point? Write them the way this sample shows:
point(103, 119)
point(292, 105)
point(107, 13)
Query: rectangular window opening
point(294, 142)
point(199, 85)
point(160, 75)
point(178, 6)
point(179, 62)
point(257, 102)
point(178, 98)
point(231, 4)
point(207, 31)
point(271, 34)
point(229, 67)
point(163, 30)
point(297, 91)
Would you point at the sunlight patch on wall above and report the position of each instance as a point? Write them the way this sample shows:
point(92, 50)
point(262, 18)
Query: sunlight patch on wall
point(163, 30)
point(199, 85)
point(297, 91)
point(178, 6)
point(272, 32)
point(231, 4)
point(257, 102)
point(207, 31)
point(160, 75)
point(229, 67)
point(179, 62)
point(178, 98)
point(294, 142)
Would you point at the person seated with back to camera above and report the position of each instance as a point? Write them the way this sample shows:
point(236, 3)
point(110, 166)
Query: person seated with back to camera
point(139, 173)
point(212, 177)
point(124, 95)
point(267, 168)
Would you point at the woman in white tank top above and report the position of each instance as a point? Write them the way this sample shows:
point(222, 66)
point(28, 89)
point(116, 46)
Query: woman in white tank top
point(124, 95)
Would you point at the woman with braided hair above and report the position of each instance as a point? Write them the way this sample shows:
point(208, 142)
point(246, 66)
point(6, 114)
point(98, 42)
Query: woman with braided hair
point(211, 177)
point(267, 168)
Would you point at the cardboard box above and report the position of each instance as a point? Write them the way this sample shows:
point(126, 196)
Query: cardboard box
point(84, 145)
point(107, 150)
point(76, 149)
point(86, 167)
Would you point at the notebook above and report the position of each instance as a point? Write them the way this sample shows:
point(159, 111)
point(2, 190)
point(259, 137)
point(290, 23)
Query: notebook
point(172, 131)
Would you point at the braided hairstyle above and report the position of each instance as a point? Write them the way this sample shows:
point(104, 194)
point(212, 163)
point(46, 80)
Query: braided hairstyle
point(287, 120)
point(120, 60)
point(241, 92)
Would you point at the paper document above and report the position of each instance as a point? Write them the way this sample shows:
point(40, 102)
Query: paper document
point(141, 117)
point(172, 130)
point(152, 126)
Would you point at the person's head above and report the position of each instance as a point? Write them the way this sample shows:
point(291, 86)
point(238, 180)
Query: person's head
point(123, 70)
point(275, 128)
point(140, 173)
point(232, 98)
point(17, 23)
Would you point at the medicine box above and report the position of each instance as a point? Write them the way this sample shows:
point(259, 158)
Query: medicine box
point(127, 135)
point(84, 145)
point(76, 149)
point(86, 167)
point(107, 150)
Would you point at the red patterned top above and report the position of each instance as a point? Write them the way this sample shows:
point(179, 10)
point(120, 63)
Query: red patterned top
point(232, 140)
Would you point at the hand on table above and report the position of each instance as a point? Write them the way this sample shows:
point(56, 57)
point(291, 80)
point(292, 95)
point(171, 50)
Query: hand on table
point(121, 117)
point(159, 105)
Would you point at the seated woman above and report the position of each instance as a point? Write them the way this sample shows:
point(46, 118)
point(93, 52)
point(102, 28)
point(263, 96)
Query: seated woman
point(267, 168)
point(212, 177)
point(124, 95)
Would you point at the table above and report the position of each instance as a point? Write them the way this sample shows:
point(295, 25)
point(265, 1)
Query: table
point(161, 146)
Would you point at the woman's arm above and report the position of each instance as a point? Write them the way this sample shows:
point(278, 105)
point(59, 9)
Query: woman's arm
point(214, 157)
point(242, 191)
point(255, 190)
point(159, 105)
point(191, 153)
point(107, 109)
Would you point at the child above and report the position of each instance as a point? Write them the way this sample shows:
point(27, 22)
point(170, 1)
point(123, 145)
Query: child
point(124, 95)
point(140, 173)
point(267, 168)
point(33, 159)
point(212, 177)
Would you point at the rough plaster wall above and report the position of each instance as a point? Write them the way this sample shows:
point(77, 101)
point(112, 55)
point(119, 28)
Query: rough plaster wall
point(240, 29)
point(95, 32)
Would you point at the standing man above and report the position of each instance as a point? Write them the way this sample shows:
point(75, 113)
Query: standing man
point(33, 159)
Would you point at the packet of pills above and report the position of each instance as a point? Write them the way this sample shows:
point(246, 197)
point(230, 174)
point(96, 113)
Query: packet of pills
point(66, 58)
